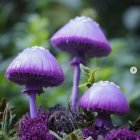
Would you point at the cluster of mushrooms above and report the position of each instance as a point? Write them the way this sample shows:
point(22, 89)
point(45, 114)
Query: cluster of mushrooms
point(36, 68)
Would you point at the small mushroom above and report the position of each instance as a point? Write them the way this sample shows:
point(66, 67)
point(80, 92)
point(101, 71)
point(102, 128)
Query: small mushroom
point(105, 98)
point(80, 37)
point(35, 68)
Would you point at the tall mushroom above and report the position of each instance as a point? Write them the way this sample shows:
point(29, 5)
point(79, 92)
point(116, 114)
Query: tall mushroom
point(35, 68)
point(105, 98)
point(80, 37)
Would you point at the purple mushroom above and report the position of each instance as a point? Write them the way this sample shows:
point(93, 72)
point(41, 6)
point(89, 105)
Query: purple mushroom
point(105, 98)
point(80, 37)
point(35, 68)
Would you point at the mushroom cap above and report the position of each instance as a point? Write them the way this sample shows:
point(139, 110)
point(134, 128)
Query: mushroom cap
point(35, 67)
point(105, 96)
point(82, 36)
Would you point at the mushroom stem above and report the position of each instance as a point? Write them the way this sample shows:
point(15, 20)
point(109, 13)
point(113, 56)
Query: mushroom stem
point(103, 120)
point(33, 110)
point(75, 90)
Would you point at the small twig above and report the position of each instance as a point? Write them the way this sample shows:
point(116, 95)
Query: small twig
point(56, 135)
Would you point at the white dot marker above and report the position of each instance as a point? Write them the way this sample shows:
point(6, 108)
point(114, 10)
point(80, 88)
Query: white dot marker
point(133, 70)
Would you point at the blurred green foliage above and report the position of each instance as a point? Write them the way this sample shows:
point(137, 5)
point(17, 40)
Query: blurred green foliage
point(26, 23)
point(6, 121)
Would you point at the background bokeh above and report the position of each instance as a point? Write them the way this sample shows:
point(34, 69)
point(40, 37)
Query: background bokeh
point(25, 23)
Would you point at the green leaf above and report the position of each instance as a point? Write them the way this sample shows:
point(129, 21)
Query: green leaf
point(75, 135)
point(3, 136)
point(91, 79)
point(90, 73)
point(83, 85)
point(85, 69)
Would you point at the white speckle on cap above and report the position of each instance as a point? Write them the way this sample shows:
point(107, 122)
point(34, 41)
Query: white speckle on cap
point(100, 82)
point(103, 84)
point(82, 19)
point(94, 84)
point(114, 84)
point(37, 47)
point(34, 48)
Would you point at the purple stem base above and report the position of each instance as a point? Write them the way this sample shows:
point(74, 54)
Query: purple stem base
point(103, 120)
